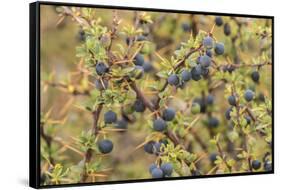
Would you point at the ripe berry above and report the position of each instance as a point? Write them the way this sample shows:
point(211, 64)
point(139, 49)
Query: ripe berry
point(249, 95)
point(173, 79)
point(147, 66)
point(255, 76)
point(219, 48)
point(226, 29)
point(256, 164)
point(210, 99)
point(248, 119)
point(267, 165)
point(156, 148)
point(232, 100)
point(185, 27)
point(169, 114)
point(138, 60)
point(105, 146)
point(157, 173)
point(121, 124)
point(196, 73)
point(139, 106)
point(101, 84)
point(208, 42)
point(195, 108)
point(202, 104)
point(167, 169)
point(110, 117)
point(148, 147)
point(205, 60)
point(213, 157)
point(152, 167)
point(218, 21)
point(185, 75)
point(204, 71)
point(213, 122)
point(101, 68)
point(209, 53)
point(138, 72)
point(159, 124)
point(227, 113)
point(141, 38)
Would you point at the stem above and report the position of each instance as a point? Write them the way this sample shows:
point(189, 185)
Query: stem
point(181, 63)
point(223, 156)
point(88, 155)
point(141, 96)
point(48, 139)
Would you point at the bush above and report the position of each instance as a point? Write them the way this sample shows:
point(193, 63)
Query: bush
point(182, 96)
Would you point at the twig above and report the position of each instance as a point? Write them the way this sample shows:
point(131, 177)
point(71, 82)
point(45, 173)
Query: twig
point(95, 129)
point(176, 68)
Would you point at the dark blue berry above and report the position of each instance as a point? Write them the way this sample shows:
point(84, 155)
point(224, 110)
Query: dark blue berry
point(169, 114)
point(173, 79)
point(248, 119)
point(152, 167)
point(226, 29)
point(157, 147)
point(249, 95)
point(219, 48)
point(256, 164)
point(159, 124)
point(141, 38)
point(218, 21)
point(121, 124)
point(255, 76)
point(138, 60)
point(148, 147)
point(157, 173)
point(110, 117)
point(101, 84)
point(147, 66)
point(227, 113)
point(204, 71)
point(210, 99)
point(205, 61)
point(139, 106)
point(213, 157)
point(232, 100)
point(209, 53)
point(105, 146)
point(267, 165)
point(196, 73)
point(208, 42)
point(101, 68)
point(185, 75)
point(213, 122)
point(167, 169)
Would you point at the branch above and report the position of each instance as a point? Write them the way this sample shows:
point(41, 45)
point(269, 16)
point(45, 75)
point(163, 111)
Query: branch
point(176, 68)
point(95, 130)
point(48, 139)
point(140, 95)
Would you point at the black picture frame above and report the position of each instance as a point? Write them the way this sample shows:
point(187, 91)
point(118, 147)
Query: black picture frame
point(34, 92)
